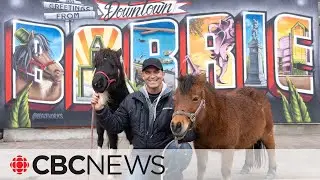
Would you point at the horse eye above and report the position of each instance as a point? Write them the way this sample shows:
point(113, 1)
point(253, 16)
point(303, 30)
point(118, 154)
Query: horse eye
point(112, 65)
point(195, 98)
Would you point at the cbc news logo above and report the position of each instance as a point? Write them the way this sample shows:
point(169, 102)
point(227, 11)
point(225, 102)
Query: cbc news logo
point(19, 164)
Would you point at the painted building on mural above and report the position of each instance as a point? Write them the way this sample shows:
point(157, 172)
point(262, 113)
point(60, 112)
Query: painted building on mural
point(290, 54)
point(272, 49)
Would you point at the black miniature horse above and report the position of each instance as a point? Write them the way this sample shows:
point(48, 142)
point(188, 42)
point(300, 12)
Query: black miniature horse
point(109, 80)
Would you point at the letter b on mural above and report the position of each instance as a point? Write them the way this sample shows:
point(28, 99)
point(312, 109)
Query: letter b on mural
point(34, 73)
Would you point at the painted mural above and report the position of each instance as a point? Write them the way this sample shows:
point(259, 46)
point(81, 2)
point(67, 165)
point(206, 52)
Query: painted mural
point(47, 49)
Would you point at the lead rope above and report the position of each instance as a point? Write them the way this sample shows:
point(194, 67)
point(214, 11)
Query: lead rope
point(92, 121)
point(91, 138)
point(177, 143)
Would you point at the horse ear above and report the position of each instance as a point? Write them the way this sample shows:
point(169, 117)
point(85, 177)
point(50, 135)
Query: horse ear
point(31, 36)
point(119, 52)
point(203, 76)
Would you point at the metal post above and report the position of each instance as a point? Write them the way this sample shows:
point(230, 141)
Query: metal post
point(67, 24)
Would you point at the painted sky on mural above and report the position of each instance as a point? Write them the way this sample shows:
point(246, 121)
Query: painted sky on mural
point(249, 26)
point(52, 34)
point(166, 39)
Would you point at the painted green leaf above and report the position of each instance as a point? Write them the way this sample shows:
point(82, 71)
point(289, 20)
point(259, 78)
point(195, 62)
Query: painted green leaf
point(303, 108)
point(14, 120)
point(130, 84)
point(133, 85)
point(24, 118)
point(295, 109)
point(19, 115)
point(286, 108)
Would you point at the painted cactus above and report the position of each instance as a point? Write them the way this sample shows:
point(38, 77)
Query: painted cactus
point(296, 110)
point(19, 116)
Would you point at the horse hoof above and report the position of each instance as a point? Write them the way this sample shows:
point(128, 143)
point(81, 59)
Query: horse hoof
point(270, 177)
point(271, 174)
point(245, 169)
point(226, 178)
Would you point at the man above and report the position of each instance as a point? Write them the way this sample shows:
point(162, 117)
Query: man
point(148, 111)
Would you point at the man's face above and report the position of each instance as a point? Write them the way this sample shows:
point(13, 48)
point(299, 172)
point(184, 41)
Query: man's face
point(152, 77)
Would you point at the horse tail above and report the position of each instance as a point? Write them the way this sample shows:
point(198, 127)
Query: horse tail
point(259, 154)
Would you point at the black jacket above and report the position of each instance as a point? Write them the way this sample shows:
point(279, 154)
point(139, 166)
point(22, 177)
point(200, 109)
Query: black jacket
point(136, 112)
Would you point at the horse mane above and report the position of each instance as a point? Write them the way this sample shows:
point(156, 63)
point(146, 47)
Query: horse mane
point(186, 82)
point(106, 54)
point(23, 53)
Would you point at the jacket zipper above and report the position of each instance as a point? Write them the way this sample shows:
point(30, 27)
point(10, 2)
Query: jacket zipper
point(155, 115)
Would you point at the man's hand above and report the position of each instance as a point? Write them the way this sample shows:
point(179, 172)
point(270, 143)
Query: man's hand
point(98, 101)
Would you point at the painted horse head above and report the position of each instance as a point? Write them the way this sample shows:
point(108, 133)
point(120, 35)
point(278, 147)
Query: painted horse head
point(33, 59)
point(33, 63)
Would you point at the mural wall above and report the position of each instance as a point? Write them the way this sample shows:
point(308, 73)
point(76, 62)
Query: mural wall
point(47, 49)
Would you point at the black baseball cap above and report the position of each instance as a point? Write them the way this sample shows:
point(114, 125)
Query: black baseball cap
point(152, 62)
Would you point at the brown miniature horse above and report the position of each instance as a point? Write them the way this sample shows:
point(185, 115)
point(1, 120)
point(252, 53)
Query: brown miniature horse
point(241, 119)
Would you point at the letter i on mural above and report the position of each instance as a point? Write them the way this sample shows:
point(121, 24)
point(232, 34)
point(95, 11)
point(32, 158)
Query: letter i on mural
point(71, 10)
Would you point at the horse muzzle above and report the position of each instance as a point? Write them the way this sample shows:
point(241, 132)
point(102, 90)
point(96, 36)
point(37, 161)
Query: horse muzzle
point(99, 83)
point(55, 76)
point(179, 129)
point(176, 128)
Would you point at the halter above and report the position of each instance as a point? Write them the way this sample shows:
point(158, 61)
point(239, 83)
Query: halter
point(191, 116)
point(37, 63)
point(106, 76)
point(41, 66)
